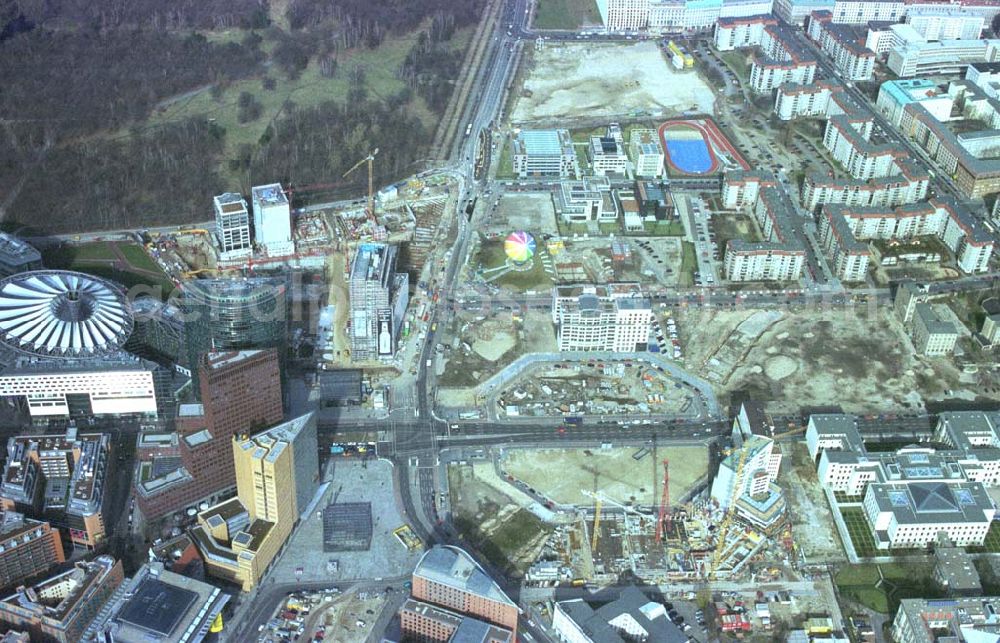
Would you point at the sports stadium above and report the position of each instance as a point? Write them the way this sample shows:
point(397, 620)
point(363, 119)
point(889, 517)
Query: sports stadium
point(697, 147)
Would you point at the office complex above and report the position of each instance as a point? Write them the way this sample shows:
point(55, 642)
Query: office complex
point(545, 153)
point(272, 220)
point(895, 95)
point(964, 144)
point(615, 317)
point(912, 495)
point(66, 331)
point(159, 606)
point(585, 200)
point(60, 477)
point(237, 314)
point(607, 153)
point(276, 476)
point(631, 616)
point(647, 153)
point(17, 255)
point(915, 55)
point(232, 225)
point(448, 577)
point(379, 296)
point(179, 470)
point(924, 620)
point(745, 481)
point(27, 548)
point(60, 608)
point(158, 333)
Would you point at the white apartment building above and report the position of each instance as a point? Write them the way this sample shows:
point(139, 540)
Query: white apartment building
point(781, 257)
point(739, 33)
point(933, 334)
point(843, 44)
point(545, 153)
point(624, 15)
point(822, 98)
point(232, 225)
point(613, 318)
point(945, 23)
point(272, 219)
point(53, 390)
point(860, 12)
point(796, 11)
point(647, 153)
point(909, 186)
point(781, 59)
point(850, 257)
point(848, 140)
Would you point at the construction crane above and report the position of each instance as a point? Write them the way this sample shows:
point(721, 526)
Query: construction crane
point(720, 545)
point(597, 525)
point(664, 516)
point(370, 160)
point(788, 434)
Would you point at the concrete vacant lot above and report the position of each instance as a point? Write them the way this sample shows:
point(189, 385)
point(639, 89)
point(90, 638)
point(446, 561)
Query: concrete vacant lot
point(561, 474)
point(595, 80)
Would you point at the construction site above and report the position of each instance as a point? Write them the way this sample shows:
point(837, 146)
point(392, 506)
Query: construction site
point(595, 388)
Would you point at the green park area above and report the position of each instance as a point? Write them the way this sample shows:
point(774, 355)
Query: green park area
point(492, 258)
point(124, 262)
point(566, 14)
point(881, 586)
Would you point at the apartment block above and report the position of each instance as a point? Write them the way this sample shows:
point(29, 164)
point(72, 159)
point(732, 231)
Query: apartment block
point(780, 257)
point(59, 609)
point(895, 95)
point(945, 23)
point(62, 477)
point(239, 390)
point(615, 317)
point(740, 33)
point(27, 548)
point(276, 476)
point(844, 44)
point(933, 333)
point(779, 57)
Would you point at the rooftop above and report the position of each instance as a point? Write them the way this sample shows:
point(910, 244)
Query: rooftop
point(624, 619)
point(269, 194)
point(453, 567)
point(56, 597)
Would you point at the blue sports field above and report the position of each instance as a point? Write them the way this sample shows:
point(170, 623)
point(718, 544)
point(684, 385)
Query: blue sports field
point(690, 156)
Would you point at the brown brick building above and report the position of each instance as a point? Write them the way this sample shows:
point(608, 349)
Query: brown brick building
point(27, 548)
point(448, 577)
point(240, 393)
point(430, 624)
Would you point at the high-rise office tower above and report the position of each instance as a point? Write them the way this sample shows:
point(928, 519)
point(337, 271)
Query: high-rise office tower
point(379, 296)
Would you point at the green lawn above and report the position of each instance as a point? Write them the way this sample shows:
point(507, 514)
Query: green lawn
point(505, 164)
point(99, 258)
point(862, 583)
point(566, 14)
point(664, 228)
point(737, 61)
point(500, 547)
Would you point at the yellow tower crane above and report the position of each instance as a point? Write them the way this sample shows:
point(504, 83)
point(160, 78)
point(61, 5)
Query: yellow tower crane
point(370, 160)
point(597, 525)
point(720, 545)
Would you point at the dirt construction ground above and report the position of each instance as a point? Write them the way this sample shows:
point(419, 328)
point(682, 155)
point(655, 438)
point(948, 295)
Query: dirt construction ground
point(598, 80)
point(560, 474)
point(813, 530)
point(850, 358)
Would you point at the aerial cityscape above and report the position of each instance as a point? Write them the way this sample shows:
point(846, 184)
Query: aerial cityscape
point(499, 321)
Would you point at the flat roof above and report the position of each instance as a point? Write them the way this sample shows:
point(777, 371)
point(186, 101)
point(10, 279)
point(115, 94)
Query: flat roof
point(156, 607)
